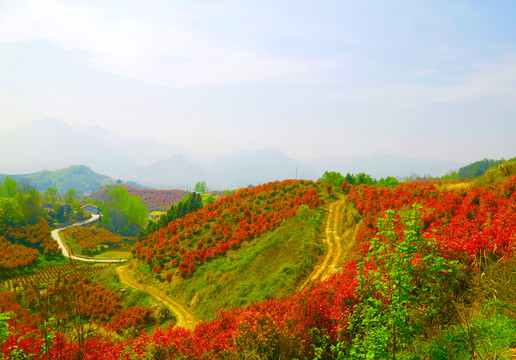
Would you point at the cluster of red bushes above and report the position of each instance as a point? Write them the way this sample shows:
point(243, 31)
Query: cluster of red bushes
point(155, 200)
point(94, 301)
point(280, 328)
point(21, 245)
point(18, 313)
point(90, 239)
point(463, 222)
point(64, 300)
point(210, 232)
point(13, 256)
point(35, 236)
point(136, 317)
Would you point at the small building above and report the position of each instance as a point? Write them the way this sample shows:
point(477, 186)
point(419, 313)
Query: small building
point(91, 208)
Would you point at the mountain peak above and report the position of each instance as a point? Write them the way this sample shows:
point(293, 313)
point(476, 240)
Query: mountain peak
point(50, 121)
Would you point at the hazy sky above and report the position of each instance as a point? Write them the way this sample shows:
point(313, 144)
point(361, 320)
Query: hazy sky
point(432, 79)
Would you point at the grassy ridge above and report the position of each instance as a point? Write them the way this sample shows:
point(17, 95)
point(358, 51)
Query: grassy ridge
point(270, 266)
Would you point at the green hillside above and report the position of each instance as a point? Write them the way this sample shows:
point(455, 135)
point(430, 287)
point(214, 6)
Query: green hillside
point(273, 265)
point(78, 177)
point(251, 255)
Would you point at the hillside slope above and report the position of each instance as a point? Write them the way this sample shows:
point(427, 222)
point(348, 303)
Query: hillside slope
point(78, 177)
point(255, 244)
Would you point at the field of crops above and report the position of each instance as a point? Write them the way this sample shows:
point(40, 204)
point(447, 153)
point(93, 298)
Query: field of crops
point(50, 274)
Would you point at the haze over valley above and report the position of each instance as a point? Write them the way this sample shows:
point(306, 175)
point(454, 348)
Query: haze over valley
point(51, 144)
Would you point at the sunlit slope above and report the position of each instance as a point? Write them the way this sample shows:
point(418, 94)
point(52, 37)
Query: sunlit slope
point(257, 243)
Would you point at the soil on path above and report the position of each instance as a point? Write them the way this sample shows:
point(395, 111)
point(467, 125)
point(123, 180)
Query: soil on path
point(184, 318)
point(66, 252)
point(340, 221)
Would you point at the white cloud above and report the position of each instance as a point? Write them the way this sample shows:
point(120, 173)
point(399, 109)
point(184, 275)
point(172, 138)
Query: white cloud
point(135, 49)
point(485, 79)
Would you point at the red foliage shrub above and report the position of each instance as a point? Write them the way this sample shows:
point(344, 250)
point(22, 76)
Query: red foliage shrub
point(15, 256)
point(35, 236)
point(464, 224)
point(133, 317)
point(18, 313)
point(224, 225)
point(155, 200)
point(91, 238)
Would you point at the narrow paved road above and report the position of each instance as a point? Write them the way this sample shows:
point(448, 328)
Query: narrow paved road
point(64, 249)
point(184, 318)
point(339, 217)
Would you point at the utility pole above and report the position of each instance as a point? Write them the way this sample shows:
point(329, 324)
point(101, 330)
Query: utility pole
point(296, 173)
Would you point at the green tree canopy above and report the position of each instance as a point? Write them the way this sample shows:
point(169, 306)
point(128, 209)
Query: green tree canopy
point(333, 178)
point(123, 213)
point(10, 213)
point(8, 188)
point(200, 187)
point(51, 195)
point(29, 203)
point(70, 196)
point(190, 203)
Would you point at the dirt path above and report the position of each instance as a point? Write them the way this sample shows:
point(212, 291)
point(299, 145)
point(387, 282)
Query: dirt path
point(184, 318)
point(337, 245)
point(66, 252)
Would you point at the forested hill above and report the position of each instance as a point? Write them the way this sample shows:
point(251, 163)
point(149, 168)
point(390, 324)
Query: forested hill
point(154, 199)
point(78, 177)
point(212, 231)
point(479, 168)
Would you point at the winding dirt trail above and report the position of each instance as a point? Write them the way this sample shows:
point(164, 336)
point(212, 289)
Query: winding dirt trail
point(67, 253)
point(338, 217)
point(184, 318)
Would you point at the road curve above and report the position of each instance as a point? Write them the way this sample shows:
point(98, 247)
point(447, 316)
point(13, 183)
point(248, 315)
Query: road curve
point(338, 216)
point(66, 252)
point(184, 318)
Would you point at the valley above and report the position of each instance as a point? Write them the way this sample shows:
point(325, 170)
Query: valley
point(184, 318)
point(281, 270)
point(257, 180)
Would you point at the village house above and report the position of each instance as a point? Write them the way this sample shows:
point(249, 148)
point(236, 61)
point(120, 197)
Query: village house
point(91, 209)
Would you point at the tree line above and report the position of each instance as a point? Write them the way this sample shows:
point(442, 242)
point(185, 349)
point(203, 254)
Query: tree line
point(190, 203)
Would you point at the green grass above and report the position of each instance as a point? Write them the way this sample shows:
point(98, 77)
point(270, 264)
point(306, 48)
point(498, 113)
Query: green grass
point(114, 254)
point(71, 244)
point(270, 266)
point(110, 279)
point(158, 213)
point(484, 325)
point(77, 250)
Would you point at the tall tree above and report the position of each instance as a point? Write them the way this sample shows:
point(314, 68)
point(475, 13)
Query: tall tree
point(333, 178)
point(29, 203)
point(50, 195)
point(70, 196)
point(123, 213)
point(200, 187)
point(190, 203)
point(8, 188)
point(10, 213)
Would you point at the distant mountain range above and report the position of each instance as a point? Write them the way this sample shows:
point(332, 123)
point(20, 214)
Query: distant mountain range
point(51, 144)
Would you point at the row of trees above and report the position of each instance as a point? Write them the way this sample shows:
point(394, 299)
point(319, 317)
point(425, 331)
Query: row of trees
point(336, 179)
point(190, 203)
point(19, 204)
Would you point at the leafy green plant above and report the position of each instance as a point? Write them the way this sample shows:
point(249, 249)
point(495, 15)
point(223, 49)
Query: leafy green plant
point(388, 316)
point(4, 326)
